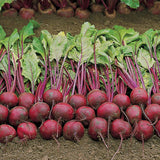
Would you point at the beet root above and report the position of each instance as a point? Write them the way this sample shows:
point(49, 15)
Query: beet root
point(50, 129)
point(39, 112)
point(52, 96)
point(3, 114)
point(73, 131)
point(26, 100)
point(63, 112)
point(139, 96)
point(27, 130)
point(96, 97)
point(8, 99)
point(26, 13)
point(85, 114)
point(7, 133)
point(134, 113)
point(77, 101)
point(18, 115)
point(155, 98)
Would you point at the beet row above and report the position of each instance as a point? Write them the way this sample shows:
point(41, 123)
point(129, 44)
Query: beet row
point(124, 117)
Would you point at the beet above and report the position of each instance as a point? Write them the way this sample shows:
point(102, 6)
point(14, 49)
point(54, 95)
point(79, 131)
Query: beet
point(27, 130)
point(110, 15)
point(122, 100)
point(77, 101)
point(153, 112)
point(10, 12)
point(18, 115)
point(82, 13)
point(144, 130)
point(96, 97)
point(3, 114)
point(39, 112)
point(50, 129)
point(52, 96)
point(155, 98)
point(26, 13)
point(108, 110)
point(120, 129)
point(97, 7)
point(63, 112)
point(66, 12)
point(85, 114)
point(134, 113)
point(9, 99)
point(139, 96)
point(157, 126)
point(26, 100)
point(73, 131)
point(98, 129)
point(7, 133)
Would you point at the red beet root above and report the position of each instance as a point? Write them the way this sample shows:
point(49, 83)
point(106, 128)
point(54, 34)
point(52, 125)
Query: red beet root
point(120, 129)
point(144, 130)
point(26, 100)
point(82, 13)
point(27, 130)
point(85, 114)
point(18, 115)
point(96, 97)
point(98, 129)
point(73, 131)
point(153, 112)
point(63, 112)
point(3, 114)
point(52, 96)
point(157, 126)
point(134, 113)
point(122, 100)
point(7, 133)
point(26, 13)
point(8, 99)
point(139, 96)
point(108, 110)
point(10, 12)
point(155, 98)
point(66, 12)
point(77, 101)
point(50, 129)
point(39, 112)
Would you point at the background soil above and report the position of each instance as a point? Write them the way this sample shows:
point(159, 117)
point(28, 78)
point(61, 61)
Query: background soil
point(86, 149)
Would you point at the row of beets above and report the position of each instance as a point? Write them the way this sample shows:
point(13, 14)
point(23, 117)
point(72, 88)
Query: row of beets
point(94, 112)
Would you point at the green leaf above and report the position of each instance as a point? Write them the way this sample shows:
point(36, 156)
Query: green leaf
point(86, 47)
point(2, 2)
point(4, 64)
point(145, 59)
point(2, 33)
point(131, 3)
point(87, 29)
point(13, 38)
point(27, 30)
point(126, 36)
point(37, 46)
point(30, 68)
point(57, 47)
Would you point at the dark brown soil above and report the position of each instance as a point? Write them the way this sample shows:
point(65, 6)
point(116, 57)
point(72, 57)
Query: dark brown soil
point(86, 149)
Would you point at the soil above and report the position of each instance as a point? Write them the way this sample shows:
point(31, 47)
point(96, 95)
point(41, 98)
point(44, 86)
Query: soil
point(86, 148)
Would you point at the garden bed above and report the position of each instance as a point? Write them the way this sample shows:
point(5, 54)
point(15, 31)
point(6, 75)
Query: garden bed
point(86, 148)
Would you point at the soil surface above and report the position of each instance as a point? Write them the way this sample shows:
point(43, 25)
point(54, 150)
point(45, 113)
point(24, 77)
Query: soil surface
point(86, 149)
